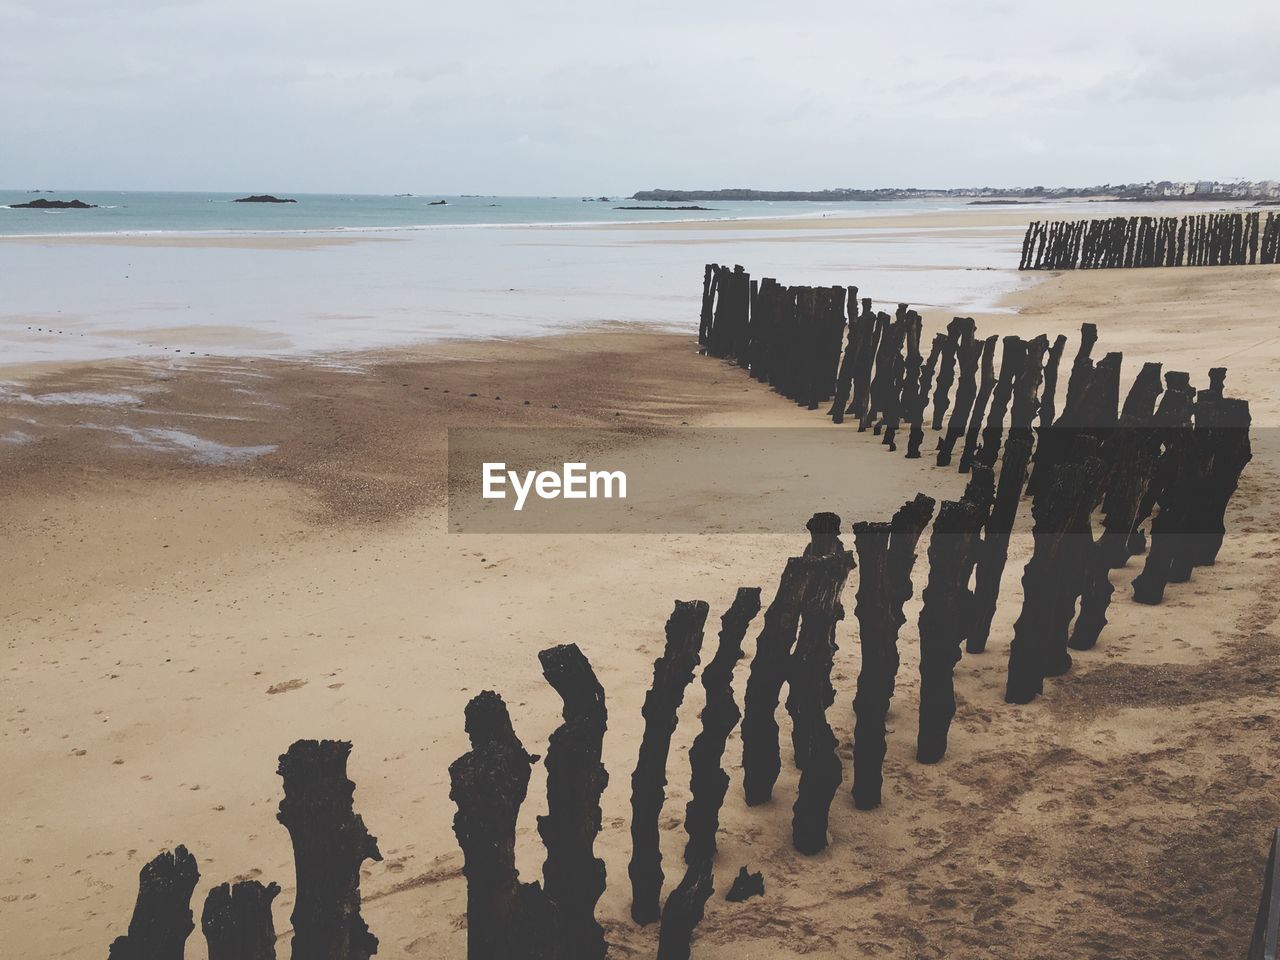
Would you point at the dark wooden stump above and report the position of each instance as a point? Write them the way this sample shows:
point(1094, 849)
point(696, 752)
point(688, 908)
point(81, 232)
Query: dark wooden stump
point(994, 551)
point(986, 384)
point(672, 674)
point(572, 875)
point(968, 354)
point(708, 782)
point(745, 886)
point(761, 758)
point(162, 918)
point(1055, 560)
point(886, 554)
point(942, 622)
point(820, 769)
point(683, 912)
point(1174, 486)
point(1231, 452)
point(329, 844)
point(505, 918)
point(959, 330)
point(237, 921)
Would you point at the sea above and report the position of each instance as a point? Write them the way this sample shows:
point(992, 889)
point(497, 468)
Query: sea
point(196, 274)
point(135, 211)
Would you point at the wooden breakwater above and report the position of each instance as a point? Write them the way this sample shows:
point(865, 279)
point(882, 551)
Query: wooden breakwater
point(1108, 479)
point(1196, 240)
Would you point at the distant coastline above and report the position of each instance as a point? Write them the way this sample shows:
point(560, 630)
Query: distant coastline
point(1150, 190)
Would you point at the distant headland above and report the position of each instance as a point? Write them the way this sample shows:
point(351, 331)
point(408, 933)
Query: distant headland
point(1150, 190)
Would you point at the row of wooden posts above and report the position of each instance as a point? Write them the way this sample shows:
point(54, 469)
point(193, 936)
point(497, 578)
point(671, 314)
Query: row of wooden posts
point(1168, 459)
point(1197, 240)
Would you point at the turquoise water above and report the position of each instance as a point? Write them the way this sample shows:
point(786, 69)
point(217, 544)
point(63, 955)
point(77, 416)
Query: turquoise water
point(132, 211)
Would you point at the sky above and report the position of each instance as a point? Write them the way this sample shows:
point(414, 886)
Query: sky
point(573, 97)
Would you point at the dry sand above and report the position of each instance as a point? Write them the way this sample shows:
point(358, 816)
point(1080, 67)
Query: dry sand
point(151, 605)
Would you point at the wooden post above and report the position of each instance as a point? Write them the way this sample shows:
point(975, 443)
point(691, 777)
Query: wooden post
point(820, 772)
point(329, 844)
point(708, 782)
point(672, 674)
point(886, 554)
point(1058, 516)
point(572, 875)
point(1173, 488)
point(960, 329)
point(162, 918)
point(920, 397)
point(994, 551)
point(505, 918)
point(968, 353)
point(1231, 453)
point(237, 921)
point(848, 361)
point(942, 622)
point(986, 383)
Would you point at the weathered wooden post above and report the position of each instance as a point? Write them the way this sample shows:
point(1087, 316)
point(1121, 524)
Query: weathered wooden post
point(820, 771)
point(942, 622)
point(994, 551)
point(1231, 453)
point(1173, 487)
point(886, 554)
point(708, 299)
point(848, 361)
point(1050, 390)
point(162, 918)
point(237, 921)
point(968, 354)
point(708, 782)
point(1013, 358)
point(870, 328)
point(505, 918)
point(672, 674)
point(573, 877)
point(761, 759)
point(959, 330)
point(986, 384)
point(920, 396)
point(329, 844)
point(888, 367)
point(1060, 513)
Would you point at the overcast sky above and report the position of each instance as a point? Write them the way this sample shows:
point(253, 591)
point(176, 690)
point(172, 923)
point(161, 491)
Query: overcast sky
point(575, 97)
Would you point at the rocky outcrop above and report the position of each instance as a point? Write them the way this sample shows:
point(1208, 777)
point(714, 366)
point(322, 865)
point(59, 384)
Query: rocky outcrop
point(43, 204)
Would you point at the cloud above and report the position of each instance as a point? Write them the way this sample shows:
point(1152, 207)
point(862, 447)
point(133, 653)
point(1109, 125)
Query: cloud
point(574, 97)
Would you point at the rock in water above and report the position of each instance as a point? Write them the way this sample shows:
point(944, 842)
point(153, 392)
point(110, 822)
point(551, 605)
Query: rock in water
point(263, 198)
point(43, 204)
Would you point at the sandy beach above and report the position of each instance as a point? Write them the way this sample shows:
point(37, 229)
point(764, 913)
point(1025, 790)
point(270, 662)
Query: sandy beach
point(208, 557)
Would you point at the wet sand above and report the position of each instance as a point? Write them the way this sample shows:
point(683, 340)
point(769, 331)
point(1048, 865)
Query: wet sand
point(158, 588)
